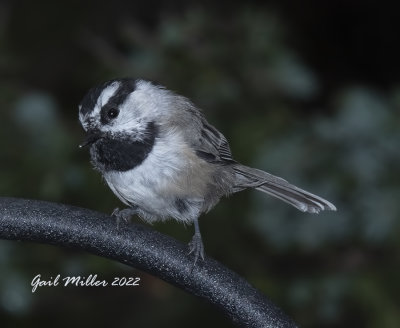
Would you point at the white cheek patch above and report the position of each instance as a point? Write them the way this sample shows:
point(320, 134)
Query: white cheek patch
point(129, 115)
point(130, 118)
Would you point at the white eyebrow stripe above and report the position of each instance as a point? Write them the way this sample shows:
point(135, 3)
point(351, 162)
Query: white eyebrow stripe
point(105, 97)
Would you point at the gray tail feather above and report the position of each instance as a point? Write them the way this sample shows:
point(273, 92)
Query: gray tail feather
point(304, 201)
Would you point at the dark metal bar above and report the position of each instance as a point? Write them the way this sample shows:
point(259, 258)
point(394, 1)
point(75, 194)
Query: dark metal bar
point(143, 248)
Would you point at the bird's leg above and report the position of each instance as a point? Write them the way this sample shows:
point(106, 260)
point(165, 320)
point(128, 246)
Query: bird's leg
point(123, 215)
point(196, 244)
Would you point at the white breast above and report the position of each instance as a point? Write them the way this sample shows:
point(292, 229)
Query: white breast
point(155, 184)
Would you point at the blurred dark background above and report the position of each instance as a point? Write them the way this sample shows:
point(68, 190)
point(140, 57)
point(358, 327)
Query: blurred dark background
point(307, 90)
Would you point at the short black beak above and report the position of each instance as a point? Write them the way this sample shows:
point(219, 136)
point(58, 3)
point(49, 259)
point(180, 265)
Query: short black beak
point(90, 138)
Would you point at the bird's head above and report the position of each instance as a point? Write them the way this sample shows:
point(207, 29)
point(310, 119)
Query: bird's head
point(122, 108)
point(121, 119)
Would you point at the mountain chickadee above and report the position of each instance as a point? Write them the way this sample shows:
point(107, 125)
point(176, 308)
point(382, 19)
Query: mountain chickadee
point(161, 157)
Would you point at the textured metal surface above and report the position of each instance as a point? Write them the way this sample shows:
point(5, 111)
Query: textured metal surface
point(143, 248)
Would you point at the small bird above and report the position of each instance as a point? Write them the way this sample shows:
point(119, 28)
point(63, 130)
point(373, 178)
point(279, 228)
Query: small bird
point(161, 158)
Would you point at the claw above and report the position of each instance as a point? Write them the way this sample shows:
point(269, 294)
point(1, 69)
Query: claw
point(115, 212)
point(123, 215)
point(196, 248)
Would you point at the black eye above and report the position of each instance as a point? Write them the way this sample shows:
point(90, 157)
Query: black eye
point(112, 113)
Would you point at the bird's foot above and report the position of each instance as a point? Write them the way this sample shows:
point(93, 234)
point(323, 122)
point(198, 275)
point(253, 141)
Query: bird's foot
point(123, 215)
point(197, 248)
